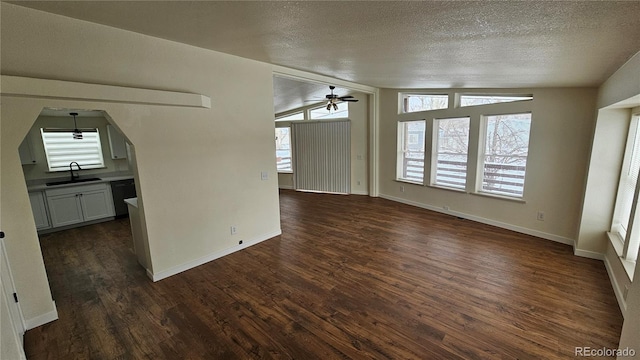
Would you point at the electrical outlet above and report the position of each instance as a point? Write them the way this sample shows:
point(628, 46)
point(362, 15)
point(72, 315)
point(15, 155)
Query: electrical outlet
point(401, 188)
point(358, 182)
point(446, 208)
point(234, 230)
point(540, 216)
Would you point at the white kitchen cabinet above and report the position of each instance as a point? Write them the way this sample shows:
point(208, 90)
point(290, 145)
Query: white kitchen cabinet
point(39, 208)
point(26, 152)
point(117, 143)
point(73, 205)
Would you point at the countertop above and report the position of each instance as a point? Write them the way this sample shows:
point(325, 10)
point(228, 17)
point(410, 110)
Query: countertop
point(132, 201)
point(41, 184)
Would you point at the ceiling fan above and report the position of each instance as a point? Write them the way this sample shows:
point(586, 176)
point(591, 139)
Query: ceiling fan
point(333, 99)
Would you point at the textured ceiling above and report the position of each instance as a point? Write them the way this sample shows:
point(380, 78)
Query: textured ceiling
point(406, 44)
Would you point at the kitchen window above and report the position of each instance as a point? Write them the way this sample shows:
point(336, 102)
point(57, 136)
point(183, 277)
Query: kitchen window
point(450, 148)
point(505, 150)
point(61, 149)
point(283, 149)
point(411, 140)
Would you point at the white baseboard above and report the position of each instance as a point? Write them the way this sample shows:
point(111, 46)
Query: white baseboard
point(287, 187)
point(616, 287)
point(362, 192)
point(205, 259)
point(588, 254)
point(42, 319)
point(503, 225)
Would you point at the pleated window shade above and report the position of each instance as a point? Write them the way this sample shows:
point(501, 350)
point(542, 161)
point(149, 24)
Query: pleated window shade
point(321, 156)
point(61, 149)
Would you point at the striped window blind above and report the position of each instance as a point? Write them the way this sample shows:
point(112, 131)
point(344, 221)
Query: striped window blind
point(61, 149)
point(321, 156)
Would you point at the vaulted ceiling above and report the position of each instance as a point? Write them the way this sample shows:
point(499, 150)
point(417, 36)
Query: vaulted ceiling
point(396, 44)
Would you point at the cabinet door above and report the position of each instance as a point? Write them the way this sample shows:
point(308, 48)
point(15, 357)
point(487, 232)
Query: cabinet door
point(65, 209)
point(97, 204)
point(39, 209)
point(116, 143)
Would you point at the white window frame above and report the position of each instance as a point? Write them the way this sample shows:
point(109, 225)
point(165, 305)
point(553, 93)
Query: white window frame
point(402, 150)
point(435, 152)
point(342, 106)
point(292, 116)
point(61, 149)
point(290, 169)
point(482, 155)
point(499, 98)
point(404, 99)
point(626, 237)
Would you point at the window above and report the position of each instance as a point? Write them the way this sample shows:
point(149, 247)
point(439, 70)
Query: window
point(475, 100)
point(626, 204)
point(504, 160)
point(450, 147)
point(411, 150)
point(283, 149)
point(323, 113)
point(422, 102)
point(61, 149)
point(291, 117)
point(628, 181)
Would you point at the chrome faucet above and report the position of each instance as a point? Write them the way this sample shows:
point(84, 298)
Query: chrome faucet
point(71, 170)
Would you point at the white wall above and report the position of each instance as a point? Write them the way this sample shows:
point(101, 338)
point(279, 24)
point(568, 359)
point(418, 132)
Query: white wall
point(561, 127)
point(616, 97)
point(198, 169)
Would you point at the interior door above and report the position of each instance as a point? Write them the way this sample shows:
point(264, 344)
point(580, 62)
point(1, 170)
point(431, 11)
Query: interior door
point(12, 325)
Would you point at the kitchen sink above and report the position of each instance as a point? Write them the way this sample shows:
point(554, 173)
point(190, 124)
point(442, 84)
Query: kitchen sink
point(74, 181)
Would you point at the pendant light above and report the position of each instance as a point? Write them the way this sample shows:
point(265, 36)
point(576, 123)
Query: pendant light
point(77, 134)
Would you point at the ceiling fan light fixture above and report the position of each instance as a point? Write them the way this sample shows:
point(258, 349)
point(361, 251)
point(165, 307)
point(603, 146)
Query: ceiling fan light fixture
point(329, 106)
point(335, 106)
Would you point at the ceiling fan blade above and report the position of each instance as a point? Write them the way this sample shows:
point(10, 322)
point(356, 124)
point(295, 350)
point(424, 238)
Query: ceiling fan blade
point(345, 97)
point(350, 100)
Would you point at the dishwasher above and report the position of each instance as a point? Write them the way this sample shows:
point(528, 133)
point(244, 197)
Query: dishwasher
point(122, 189)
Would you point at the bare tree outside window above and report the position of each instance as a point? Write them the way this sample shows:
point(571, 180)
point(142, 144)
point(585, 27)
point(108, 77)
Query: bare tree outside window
point(283, 149)
point(418, 102)
point(451, 147)
point(411, 150)
point(506, 147)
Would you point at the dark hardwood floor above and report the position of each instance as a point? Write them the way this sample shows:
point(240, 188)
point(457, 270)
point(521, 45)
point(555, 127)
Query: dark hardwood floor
point(351, 277)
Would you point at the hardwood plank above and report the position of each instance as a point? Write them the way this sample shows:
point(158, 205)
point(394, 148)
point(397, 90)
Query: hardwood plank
point(350, 277)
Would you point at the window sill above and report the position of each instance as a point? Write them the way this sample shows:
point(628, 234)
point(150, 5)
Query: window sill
point(409, 182)
point(500, 197)
point(618, 245)
point(447, 188)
